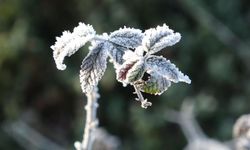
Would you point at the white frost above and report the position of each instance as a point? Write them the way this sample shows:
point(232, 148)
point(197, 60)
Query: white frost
point(156, 39)
point(69, 43)
point(166, 69)
point(127, 37)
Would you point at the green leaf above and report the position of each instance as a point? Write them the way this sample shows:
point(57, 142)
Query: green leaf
point(154, 85)
point(136, 72)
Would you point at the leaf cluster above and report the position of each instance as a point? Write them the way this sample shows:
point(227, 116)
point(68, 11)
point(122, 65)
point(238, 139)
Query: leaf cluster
point(132, 53)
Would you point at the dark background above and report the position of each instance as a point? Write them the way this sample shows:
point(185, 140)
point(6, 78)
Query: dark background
point(214, 52)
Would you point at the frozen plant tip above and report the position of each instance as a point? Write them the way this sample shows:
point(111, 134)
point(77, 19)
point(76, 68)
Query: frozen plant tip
point(130, 50)
point(132, 53)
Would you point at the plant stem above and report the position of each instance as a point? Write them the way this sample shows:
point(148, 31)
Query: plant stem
point(91, 121)
point(144, 102)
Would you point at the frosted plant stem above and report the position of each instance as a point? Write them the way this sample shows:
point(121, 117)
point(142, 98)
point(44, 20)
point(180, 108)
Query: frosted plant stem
point(91, 121)
point(144, 102)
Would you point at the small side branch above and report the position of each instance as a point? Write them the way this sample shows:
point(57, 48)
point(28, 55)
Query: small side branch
point(144, 102)
point(91, 121)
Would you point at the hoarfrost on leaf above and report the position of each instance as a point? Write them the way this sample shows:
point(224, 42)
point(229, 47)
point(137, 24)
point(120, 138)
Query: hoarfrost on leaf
point(116, 53)
point(121, 41)
point(131, 56)
point(158, 38)
point(165, 68)
point(93, 66)
point(136, 72)
point(69, 43)
point(127, 37)
point(123, 70)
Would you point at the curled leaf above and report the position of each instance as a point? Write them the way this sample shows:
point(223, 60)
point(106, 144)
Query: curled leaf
point(69, 43)
point(154, 85)
point(127, 37)
point(93, 67)
point(122, 71)
point(158, 38)
point(165, 68)
point(135, 72)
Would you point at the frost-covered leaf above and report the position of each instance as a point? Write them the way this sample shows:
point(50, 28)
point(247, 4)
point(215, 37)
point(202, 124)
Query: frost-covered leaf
point(119, 54)
point(93, 67)
point(154, 85)
point(130, 71)
point(131, 55)
point(69, 43)
point(158, 38)
point(121, 41)
point(165, 68)
point(127, 37)
point(135, 72)
point(122, 71)
point(116, 53)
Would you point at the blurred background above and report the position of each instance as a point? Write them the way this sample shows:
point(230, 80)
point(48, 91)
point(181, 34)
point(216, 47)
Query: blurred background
point(40, 105)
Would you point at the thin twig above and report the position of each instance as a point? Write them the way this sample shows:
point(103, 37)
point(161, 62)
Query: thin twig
point(91, 121)
point(144, 102)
